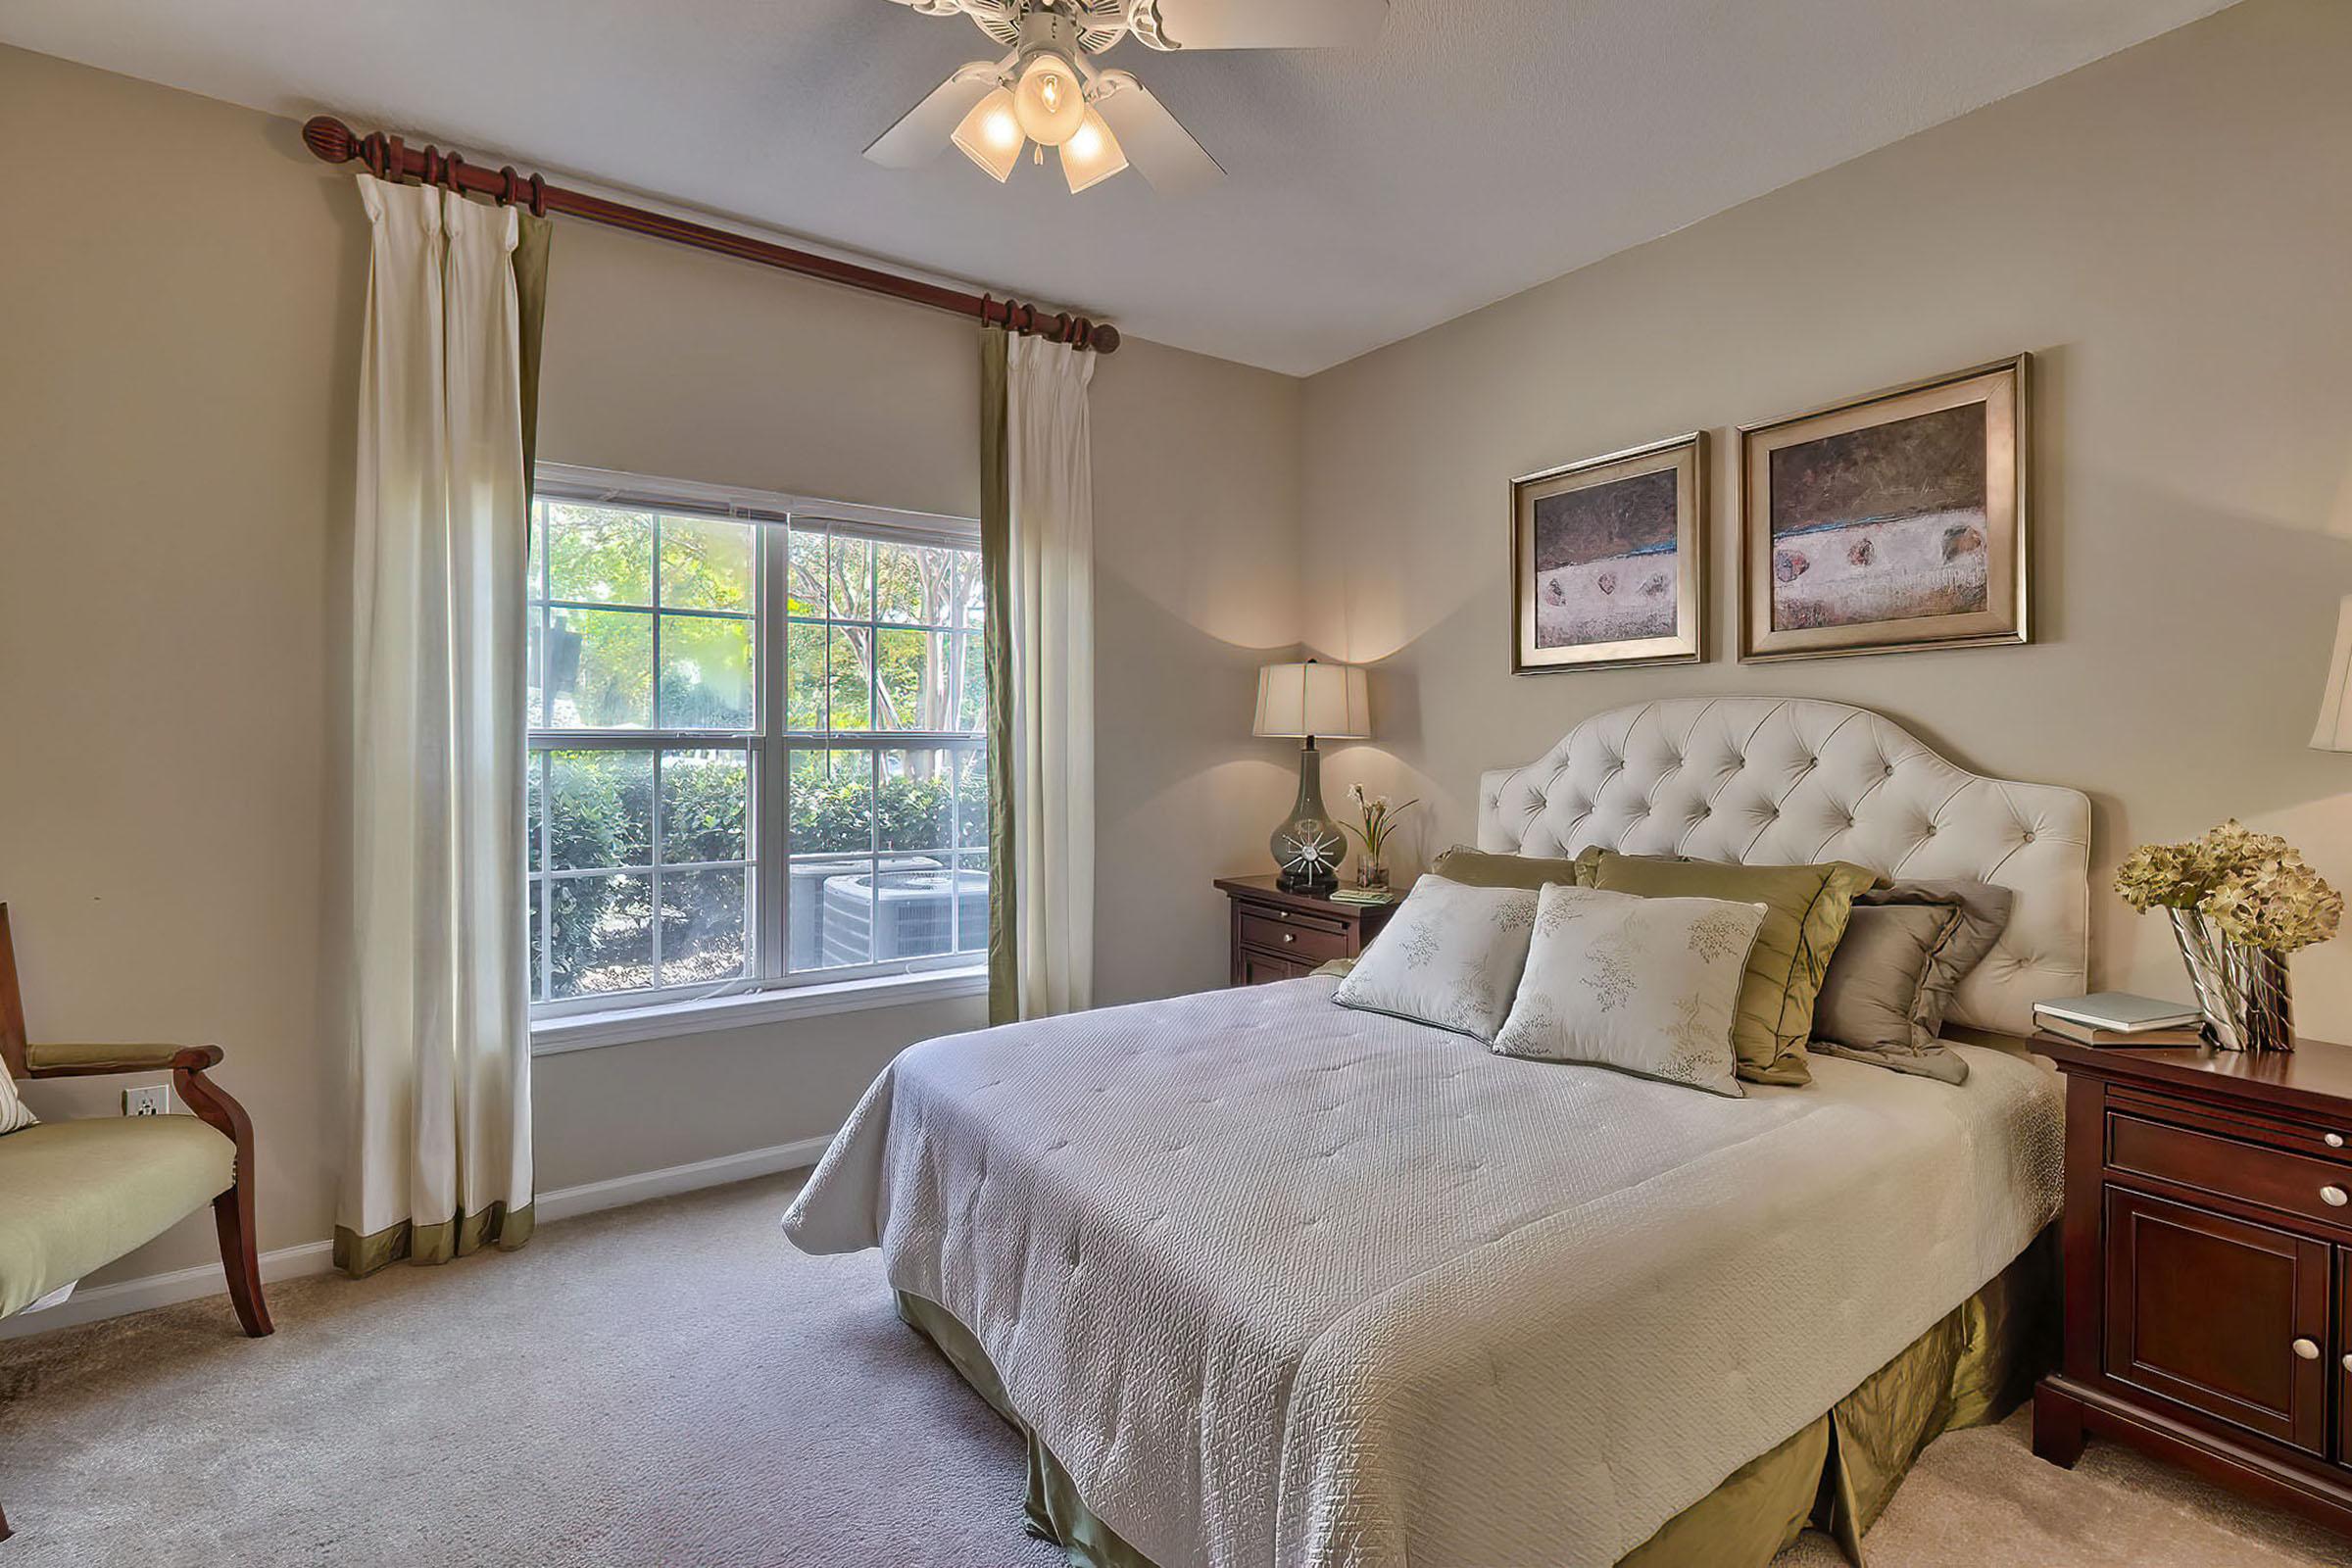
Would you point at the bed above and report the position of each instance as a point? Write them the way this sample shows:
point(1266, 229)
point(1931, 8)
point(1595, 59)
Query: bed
point(1272, 1282)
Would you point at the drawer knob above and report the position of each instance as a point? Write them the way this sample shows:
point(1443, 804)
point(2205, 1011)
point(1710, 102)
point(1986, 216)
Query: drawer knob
point(2308, 1349)
point(1293, 936)
point(2332, 1140)
point(2334, 1196)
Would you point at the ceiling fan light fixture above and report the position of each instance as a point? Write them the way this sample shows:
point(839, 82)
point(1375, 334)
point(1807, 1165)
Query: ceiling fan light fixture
point(990, 134)
point(1090, 156)
point(1050, 102)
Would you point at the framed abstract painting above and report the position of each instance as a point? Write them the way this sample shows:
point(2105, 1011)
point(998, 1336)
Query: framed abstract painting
point(1894, 521)
point(1609, 559)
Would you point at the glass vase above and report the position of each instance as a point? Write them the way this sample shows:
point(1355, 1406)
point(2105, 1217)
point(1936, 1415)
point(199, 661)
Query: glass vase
point(2241, 989)
point(1372, 871)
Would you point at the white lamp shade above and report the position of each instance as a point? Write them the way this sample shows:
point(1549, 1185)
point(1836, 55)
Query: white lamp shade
point(2334, 731)
point(991, 135)
point(1295, 701)
point(1092, 156)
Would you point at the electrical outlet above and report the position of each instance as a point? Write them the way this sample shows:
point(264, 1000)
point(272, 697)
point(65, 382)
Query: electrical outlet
point(147, 1100)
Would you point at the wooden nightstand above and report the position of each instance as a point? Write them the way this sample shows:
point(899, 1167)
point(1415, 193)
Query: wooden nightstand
point(1281, 936)
point(2208, 1240)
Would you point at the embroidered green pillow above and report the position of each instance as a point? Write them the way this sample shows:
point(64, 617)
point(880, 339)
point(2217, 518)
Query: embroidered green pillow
point(1806, 910)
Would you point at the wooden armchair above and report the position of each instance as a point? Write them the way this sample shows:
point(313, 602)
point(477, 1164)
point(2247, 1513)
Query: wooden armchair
point(77, 1195)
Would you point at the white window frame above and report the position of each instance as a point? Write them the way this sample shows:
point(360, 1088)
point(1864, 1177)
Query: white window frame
point(768, 988)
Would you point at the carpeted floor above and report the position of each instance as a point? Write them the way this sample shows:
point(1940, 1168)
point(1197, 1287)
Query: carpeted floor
point(671, 1384)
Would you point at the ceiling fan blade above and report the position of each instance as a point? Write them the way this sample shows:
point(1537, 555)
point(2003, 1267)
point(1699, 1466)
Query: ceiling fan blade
point(1160, 149)
point(923, 130)
point(1258, 23)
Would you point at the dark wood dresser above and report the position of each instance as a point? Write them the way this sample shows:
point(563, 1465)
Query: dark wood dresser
point(1281, 936)
point(2208, 1240)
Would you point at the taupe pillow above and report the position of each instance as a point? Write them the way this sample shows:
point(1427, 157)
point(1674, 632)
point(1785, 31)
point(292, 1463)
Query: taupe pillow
point(1984, 917)
point(1484, 868)
point(1872, 998)
point(1892, 978)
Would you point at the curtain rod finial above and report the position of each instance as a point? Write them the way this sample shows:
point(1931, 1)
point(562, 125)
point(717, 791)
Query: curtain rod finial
point(329, 139)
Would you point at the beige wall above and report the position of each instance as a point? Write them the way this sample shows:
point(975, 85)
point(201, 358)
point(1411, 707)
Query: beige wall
point(182, 291)
point(2167, 230)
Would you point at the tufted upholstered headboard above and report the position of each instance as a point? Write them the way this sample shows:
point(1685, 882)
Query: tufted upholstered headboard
point(1783, 781)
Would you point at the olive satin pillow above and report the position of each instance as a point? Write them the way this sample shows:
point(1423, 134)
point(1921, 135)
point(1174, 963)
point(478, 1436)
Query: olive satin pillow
point(1807, 908)
point(1483, 869)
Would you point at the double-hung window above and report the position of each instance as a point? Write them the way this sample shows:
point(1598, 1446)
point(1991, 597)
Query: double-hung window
point(757, 732)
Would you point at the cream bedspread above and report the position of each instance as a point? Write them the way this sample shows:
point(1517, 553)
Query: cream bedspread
point(1470, 1310)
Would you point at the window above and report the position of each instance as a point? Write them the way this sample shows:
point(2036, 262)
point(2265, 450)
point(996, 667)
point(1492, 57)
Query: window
point(757, 732)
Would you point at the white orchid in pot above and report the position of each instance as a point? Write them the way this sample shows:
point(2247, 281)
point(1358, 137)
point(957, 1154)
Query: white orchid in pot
point(2239, 903)
point(1379, 823)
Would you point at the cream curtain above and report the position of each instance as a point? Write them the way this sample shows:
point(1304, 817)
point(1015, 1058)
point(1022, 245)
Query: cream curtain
point(439, 1153)
point(1042, 948)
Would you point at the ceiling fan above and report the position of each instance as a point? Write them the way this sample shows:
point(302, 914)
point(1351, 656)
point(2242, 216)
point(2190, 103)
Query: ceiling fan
point(1047, 92)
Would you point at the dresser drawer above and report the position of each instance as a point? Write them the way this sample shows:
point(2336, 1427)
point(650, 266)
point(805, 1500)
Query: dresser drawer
point(1293, 935)
point(2294, 1183)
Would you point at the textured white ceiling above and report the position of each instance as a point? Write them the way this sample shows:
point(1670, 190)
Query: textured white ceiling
point(1481, 148)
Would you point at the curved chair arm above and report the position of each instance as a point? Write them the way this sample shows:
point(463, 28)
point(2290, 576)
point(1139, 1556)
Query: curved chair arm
point(93, 1061)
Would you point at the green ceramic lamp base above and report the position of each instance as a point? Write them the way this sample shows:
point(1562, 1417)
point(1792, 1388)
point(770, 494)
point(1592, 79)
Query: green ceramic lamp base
point(1308, 846)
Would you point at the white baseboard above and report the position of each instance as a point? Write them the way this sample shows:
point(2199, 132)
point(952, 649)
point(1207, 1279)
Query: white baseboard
point(163, 1289)
point(566, 1201)
point(317, 1257)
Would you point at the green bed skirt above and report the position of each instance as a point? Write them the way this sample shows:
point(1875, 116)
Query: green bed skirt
point(1973, 1367)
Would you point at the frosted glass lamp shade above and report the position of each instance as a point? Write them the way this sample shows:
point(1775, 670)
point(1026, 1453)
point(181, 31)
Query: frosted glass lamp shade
point(2334, 731)
point(1051, 101)
point(1313, 699)
point(1092, 156)
point(991, 135)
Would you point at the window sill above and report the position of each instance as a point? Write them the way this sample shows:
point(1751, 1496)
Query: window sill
point(588, 1031)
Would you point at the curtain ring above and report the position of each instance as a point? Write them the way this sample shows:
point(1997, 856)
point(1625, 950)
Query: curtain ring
point(371, 153)
point(538, 196)
point(505, 190)
point(449, 168)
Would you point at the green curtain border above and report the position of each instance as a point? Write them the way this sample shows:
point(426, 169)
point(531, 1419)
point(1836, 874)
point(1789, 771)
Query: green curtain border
point(460, 1235)
point(530, 297)
point(1837, 1473)
point(995, 576)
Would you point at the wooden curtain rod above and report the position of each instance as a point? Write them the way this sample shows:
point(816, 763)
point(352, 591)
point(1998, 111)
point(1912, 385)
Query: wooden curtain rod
point(388, 157)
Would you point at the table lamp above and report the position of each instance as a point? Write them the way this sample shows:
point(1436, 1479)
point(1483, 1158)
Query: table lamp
point(1303, 702)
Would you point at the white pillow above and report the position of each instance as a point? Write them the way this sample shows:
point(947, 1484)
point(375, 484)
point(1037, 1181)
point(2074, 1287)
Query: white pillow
point(1646, 986)
point(12, 1114)
point(1451, 956)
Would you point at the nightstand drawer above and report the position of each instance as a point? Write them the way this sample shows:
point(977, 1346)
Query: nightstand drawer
point(1293, 935)
point(2315, 1189)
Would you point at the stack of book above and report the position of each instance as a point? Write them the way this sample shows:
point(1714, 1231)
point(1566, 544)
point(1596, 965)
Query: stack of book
point(2119, 1018)
point(1368, 897)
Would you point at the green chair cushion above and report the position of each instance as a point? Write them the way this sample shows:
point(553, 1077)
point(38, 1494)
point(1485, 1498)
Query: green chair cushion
point(78, 1194)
